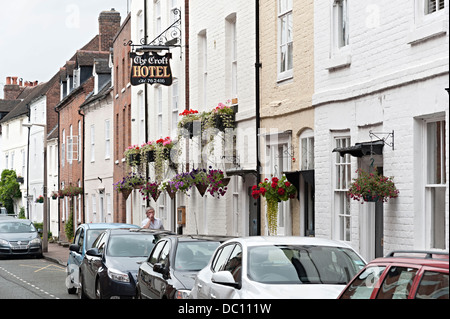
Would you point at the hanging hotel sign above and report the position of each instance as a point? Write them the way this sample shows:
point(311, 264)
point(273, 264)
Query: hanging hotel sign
point(151, 68)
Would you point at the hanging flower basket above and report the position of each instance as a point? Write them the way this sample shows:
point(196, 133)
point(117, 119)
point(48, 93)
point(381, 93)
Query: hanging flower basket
point(275, 191)
point(372, 187)
point(40, 199)
point(72, 191)
point(170, 192)
point(126, 193)
point(150, 156)
point(133, 155)
point(128, 183)
point(150, 190)
point(202, 188)
point(54, 195)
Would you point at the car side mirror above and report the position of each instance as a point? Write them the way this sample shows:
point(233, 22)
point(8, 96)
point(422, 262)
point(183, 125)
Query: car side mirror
point(74, 247)
point(224, 278)
point(161, 268)
point(93, 252)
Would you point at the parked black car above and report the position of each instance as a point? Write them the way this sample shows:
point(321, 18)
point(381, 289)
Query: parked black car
point(110, 267)
point(19, 237)
point(170, 270)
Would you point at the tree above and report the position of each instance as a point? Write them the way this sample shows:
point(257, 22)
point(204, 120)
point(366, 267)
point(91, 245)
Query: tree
point(9, 189)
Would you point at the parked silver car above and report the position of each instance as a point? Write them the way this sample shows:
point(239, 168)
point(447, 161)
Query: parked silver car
point(278, 267)
point(19, 237)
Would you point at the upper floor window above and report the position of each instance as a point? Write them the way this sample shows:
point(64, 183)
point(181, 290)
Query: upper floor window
point(158, 18)
point(285, 39)
point(433, 6)
point(340, 23)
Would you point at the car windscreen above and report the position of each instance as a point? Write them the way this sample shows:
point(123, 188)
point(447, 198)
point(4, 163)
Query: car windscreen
point(194, 255)
point(133, 245)
point(302, 264)
point(17, 227)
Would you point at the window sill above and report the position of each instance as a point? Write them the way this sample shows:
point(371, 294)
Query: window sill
point(338, 61)
point(428, 31)
point(284, 77)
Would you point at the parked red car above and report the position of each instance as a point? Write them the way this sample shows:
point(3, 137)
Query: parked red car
point(402, 275)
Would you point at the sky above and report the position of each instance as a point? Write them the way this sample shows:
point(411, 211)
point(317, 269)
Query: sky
point(37, 37)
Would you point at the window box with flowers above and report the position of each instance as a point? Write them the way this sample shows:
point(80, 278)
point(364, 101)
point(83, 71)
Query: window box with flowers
point(133, 155)
point(147, 151)
point(190, 124)
point(274, 191)
point(40, 199)
point(222, 117)
point(372, 187)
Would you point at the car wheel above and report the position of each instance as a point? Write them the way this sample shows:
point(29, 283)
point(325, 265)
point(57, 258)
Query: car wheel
point(80, 291)
point(98, 291)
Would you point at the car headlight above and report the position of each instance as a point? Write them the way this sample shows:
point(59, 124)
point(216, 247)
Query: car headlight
point(182, 294)
point(4, 242)
point(35, 241)
point(117, 275)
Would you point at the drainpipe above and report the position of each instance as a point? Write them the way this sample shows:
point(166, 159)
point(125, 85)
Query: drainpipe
point(59, 171)
point(82, 165)
point(28, 162)
point(258, 66)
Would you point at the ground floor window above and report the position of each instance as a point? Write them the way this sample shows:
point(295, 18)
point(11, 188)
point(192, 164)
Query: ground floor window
point(436, 179)
point(341, 183)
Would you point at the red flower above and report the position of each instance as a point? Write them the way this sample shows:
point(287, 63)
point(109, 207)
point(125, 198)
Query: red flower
point(262, 191)
point(274, 185)
point(281, 191)
point(275, 179)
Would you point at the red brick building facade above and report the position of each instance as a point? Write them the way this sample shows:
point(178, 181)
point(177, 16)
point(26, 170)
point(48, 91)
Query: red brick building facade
point(77, 82)
point(122, 113)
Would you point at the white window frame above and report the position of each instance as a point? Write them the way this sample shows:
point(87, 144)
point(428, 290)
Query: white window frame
point(341, 179)
point(285, 39)
point(94, 207)
point(159, 105)
point(141, 110)
point(306, 150)
point(92, 135)
point(203, 67)
point(140, 26)
point(175, 106)
point(426, 24)
point(158, 17)
point(63, 148)
point(107, 139)
point(276, 162)
point(341, 37)
point(435, 231)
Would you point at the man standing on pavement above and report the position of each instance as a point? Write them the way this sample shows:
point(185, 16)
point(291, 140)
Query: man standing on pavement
point(151, 222)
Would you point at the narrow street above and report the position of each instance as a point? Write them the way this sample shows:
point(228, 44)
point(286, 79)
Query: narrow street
point(32, 279)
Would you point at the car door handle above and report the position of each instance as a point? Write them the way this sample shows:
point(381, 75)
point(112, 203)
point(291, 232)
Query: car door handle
point(200, 286)
point(213, 296)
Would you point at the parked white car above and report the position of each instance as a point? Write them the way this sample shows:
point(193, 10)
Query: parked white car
point(278, 267)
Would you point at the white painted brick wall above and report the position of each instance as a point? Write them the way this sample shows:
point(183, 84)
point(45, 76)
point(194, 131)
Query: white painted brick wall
point(390, 84)
point(213, 215)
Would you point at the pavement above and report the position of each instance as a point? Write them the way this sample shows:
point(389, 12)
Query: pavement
point(58, 253)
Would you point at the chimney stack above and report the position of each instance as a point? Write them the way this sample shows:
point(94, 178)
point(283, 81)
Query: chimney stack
point(109, 25)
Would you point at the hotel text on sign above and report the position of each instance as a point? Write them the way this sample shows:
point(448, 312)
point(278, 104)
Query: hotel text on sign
point(151, 68)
